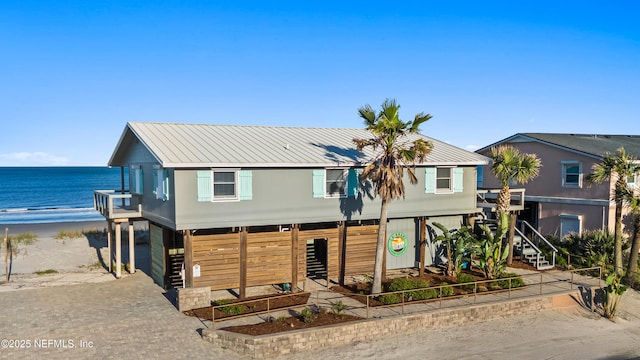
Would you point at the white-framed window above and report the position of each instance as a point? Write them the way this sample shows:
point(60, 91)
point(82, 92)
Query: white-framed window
point(336, 183)
point(570, 223)
point(224, 185)
point(632, 181)
point(135, 180)
point(443, 180)
point(160, 183)
point(572, 173)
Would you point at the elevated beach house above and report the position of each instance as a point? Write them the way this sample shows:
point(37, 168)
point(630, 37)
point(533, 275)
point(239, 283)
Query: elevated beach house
point(239, 206)
point(560, 200)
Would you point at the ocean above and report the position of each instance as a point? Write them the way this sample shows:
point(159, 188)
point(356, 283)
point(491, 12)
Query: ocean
point(53, 194)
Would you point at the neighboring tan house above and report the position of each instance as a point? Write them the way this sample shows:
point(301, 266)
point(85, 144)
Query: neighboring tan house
point(560, 200)
point(255, 205)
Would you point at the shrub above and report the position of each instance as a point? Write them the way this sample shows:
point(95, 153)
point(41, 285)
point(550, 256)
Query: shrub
point(389, 299)
point(231, 309)
point(425, 294)
point(482, 288)
point(466, 278)
point(337, 307)
point(447, 290)
point(308, 316)
point(516, 281)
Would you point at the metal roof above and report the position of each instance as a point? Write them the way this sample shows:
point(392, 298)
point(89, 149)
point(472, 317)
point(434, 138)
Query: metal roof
point(595, 145)
point(207, 145)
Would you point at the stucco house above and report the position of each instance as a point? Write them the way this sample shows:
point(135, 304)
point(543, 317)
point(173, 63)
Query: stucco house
point(239, 206)
point(560, 200)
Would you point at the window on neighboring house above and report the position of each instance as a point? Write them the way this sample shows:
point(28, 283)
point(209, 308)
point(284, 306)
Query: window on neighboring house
point(135, 180)
point(570, 224)
point(335, 183)
point(224, 185)
point(632, 181)
point(161, 183)
point(444, 180)
point(571, 174)
point(480, 176)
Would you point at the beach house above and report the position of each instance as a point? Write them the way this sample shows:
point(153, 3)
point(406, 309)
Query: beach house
point(560, 200)
point(239, 206)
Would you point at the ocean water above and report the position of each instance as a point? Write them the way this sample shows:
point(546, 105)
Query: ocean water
point(53, 194)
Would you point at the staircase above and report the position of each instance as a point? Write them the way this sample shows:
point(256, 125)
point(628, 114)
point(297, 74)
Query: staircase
point(316, 267)
point(529, 253)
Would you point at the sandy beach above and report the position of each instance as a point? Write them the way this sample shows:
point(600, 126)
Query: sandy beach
point(67, 261)
point(573, 333)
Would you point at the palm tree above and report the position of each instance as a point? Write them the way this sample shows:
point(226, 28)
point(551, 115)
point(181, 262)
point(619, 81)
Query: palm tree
point(634, 204)
point(396, 152)
point(618, 166)
point(510, 165)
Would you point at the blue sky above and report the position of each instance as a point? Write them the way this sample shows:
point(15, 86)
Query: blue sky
point(72, 73)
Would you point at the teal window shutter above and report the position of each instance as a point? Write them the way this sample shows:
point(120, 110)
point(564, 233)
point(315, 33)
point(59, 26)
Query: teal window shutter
point(430, 180)
point(318, 183)
point(155, 183)
point(246, 184)
point(132, 180)
point(480, 178)
point(140, 182)
point(204, 185)
point(458, 179)
point(352, 183)
point(165, 185)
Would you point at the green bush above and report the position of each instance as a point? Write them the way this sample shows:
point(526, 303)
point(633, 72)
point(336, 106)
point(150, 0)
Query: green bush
point(516, 282)
point(399, 284)
point(447, 290)
point(425, 294)
point(338, 307)
point(466, 278)
point(482, 288)
point(231, 309)
point(389, 299)
point(308, 316)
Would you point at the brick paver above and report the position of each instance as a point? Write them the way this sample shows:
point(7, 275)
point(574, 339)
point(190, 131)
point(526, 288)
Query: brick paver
point(125, 319)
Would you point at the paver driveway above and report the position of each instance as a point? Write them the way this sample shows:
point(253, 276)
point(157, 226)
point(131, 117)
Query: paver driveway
point(124, 319)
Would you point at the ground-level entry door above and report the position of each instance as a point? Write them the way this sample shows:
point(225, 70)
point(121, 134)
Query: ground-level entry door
point(401, 243)
point(317, 258)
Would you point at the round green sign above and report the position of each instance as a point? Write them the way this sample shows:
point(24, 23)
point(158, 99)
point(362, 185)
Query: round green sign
point(397, 244)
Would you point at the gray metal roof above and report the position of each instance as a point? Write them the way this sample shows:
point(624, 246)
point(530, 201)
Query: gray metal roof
point(208, 145)
point(595, 145)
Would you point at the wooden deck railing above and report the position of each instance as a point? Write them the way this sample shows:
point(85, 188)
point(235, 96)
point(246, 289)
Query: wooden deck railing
point(486, 198)
point(106, 203)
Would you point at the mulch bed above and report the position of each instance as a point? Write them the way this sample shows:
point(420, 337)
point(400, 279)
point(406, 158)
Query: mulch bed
point(254, 304)
point(290, 324)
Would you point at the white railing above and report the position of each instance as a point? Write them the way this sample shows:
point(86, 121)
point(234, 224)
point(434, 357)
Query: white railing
point(104, 201)
point(526, 226)
point(486, 198)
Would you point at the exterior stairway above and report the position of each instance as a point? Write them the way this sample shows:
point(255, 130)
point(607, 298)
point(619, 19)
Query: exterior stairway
point(316, 268)
point(529, 254)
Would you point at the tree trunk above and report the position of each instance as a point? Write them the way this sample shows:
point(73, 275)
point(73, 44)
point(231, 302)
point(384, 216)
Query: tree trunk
point(380, 248)
point(618, 239)
point(632, 267)
point(512, 232)
point(503, 202)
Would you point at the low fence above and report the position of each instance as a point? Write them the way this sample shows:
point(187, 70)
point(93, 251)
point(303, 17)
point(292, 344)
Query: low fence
point(482, 288)
point(235, 306)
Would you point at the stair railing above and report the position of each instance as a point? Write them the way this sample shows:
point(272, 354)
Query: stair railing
point(525, 225)
point(533, 246)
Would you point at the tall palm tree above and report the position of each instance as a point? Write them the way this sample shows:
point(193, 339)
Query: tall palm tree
point(619, 166)
point(395, 152)
point(510, 165)
point(634, 204)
